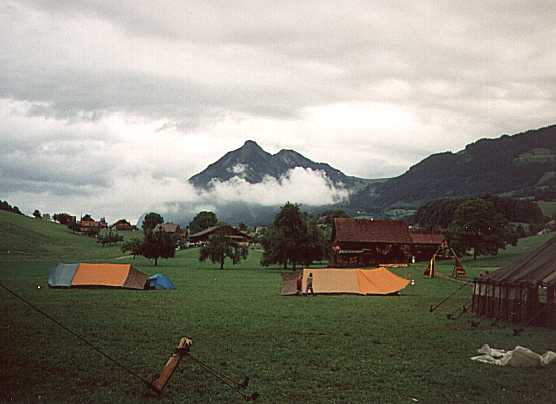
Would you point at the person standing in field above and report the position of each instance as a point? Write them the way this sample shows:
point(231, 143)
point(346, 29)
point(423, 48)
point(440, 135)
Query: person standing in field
point(309, 285)
point(299, 284)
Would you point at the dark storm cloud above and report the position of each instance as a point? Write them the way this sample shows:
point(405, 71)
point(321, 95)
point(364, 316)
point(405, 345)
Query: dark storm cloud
point(288, 73)
point(476, 51)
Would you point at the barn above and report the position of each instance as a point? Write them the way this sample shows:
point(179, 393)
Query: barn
point(425, 245)
point(369, 243)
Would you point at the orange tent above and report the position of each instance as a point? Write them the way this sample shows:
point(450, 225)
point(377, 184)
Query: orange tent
point(114, 275)
point(378, 281)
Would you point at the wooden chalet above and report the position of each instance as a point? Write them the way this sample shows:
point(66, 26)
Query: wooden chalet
point(171, 228)
point(227, 230)
point(368, 243)
point(89, 225)
point(522, 292)
point(122, 224)
point(425, 245)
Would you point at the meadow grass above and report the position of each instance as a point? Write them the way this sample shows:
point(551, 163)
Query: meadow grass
point(28, 239)
point(325, 349)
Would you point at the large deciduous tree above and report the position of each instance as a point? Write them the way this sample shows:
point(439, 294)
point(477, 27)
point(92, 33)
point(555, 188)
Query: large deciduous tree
point(150, 221)
point(293, 238)
point(203, 220)
point(479, 226)
point(219, 247)
point(158, 244)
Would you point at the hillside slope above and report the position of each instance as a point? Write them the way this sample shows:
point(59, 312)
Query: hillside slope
point(520, 165)
point(25, 238)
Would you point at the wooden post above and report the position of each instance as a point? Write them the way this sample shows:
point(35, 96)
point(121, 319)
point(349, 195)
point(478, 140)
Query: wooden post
point(551, 307)
point(507, 307)
point(499, 304)
point(171, 365)
point(489, 300)
point(480, 298)
point(534, 303)
point(521, 303)
point(474, 298)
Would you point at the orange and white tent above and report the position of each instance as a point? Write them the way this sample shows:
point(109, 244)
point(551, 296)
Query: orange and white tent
point(379, 281)
point(108, 275)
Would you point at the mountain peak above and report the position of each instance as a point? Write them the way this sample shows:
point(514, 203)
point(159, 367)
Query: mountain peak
point(256, 164)
point(251, 143)
point(287, 151)
point(252, 146)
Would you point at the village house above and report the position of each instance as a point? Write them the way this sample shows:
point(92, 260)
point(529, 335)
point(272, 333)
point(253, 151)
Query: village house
point(240, 237)
point(89, 225)
point(122, 225)
point(170, 228)
point(369, 243)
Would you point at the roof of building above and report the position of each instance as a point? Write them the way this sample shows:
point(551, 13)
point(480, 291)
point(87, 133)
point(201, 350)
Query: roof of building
point(213, 229)
point(427, 238)
point(121, 221)
point(167, 227)
point(537, 267)
point(371, 231)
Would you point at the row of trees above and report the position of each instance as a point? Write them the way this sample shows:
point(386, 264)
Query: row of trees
point(159, 244)
point(440, 213)
point(479, 226)
point(4, 205)
point(293, 238)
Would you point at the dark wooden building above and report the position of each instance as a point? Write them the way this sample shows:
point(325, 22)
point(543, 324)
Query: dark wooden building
point(122, 224)
point(170, 228)
point(424, 245)
point(227, 230)
point(369, 243)
point(522, 292)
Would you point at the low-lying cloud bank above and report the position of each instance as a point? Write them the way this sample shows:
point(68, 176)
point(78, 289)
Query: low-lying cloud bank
point(238, 200)
point(119, 167)
point(233, 201)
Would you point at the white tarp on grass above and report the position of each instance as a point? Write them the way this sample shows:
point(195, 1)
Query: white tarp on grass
point(519, 357)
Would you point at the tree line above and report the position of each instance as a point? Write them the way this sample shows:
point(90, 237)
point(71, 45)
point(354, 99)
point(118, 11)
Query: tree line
point(4, 205)
point(440, 213)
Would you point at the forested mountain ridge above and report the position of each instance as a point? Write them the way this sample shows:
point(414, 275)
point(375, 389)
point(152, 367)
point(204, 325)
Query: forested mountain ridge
point(520, 165)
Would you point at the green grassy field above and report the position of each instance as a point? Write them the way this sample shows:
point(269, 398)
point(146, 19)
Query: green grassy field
point(29, 239)
point(326, 349)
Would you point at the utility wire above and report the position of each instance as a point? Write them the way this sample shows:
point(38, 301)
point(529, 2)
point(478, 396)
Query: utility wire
point(78, 336)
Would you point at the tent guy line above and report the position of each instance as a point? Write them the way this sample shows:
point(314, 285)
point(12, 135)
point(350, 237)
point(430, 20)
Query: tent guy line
point(225, 379)
point(78, 336)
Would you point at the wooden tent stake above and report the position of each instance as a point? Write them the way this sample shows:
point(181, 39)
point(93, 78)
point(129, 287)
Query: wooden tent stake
point(171, 365)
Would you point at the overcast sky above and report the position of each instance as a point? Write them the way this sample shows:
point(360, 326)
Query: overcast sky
point(107, 107)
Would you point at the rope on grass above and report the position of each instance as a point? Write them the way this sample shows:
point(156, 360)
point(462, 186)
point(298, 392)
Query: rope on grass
point(78, 336)
point(238, 387)
point(436, 306)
